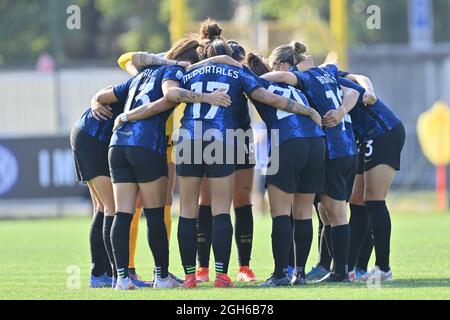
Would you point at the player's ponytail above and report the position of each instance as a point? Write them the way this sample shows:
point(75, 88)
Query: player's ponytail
point(209, 29)
point(298, 47)
point(256, 63)
point(185, 49)
point(292, 53)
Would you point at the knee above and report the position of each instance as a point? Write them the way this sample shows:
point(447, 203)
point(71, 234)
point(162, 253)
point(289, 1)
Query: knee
point(241, 199)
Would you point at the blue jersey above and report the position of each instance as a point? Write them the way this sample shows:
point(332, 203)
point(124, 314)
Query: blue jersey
point(208, 78)
point(320, 86)
point(146, 87)
point(372, 121)
point(100, 129)
point(289, 125)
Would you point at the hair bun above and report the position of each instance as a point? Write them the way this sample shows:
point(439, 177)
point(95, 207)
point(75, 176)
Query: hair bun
point(210, 30)
point(298, 47)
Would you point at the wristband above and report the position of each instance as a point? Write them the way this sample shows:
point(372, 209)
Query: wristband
point(123, 117)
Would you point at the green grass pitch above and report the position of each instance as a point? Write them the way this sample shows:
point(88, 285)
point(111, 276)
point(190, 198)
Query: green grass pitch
point(35, 256)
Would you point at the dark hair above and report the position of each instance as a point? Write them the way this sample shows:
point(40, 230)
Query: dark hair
point(257, 64)
point(211, 42)
point(292, 53)
point(185, 50)
point(209, 29)
point(238, 51)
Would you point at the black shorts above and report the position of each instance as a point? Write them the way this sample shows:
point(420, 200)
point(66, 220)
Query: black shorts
point(385, 149)
point(90, 155)
point(301, 166)
point(339, 177)
point(191, 162)
point(136, 165)
point(247, 150)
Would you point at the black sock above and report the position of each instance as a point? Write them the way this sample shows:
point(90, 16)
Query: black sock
point(222, 237)
point(381, 228)
point(365, 252)
point(157, 240)
point(120, 239)
point(303, 236)
point(98, 251)
point(281, 242)
point(187, 243)
point(243, 233)
point(292, 249)
point(107, 223)
point(359, 226)
point(340, 238)
point(204, 229)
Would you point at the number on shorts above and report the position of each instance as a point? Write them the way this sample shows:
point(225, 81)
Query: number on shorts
point(369, 148)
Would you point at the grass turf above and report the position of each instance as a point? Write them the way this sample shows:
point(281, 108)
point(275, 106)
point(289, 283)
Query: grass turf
point(36, 256)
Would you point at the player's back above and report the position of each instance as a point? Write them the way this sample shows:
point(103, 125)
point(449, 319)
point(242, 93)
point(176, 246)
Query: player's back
point(289, 125)
point(208, 78)
point(146, 87)
point(321, 87)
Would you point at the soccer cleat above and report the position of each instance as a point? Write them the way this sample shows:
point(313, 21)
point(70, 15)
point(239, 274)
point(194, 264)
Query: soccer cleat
point(223, 281)
point(316, 273)
point(274, 282)
point(245, 274)
point(138, 282)
point(102, 281)
point(174, 277)
point(202, 275)
point(190, 281)
point(125, 284)
point(166, 283)
point(334, 277)
point(356, 274)
point(378, 275)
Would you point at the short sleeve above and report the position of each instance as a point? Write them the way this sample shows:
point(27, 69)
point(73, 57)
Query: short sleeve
point(174, 73)
point(301, 79)
point(249, 82)
point(332, 68)
point(121, 90)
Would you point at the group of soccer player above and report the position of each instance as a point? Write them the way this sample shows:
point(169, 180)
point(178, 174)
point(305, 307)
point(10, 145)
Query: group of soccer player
point(331, 140)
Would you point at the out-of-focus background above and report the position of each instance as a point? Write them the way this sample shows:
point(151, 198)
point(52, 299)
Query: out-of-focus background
point(55, 54)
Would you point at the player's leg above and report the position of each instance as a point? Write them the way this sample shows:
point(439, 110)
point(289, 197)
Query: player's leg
point(125, 197)
point(382, 161)
point(187, 224)
point(104, 190)
point(221, 189)
point(323, 266)
point(243, 228)
point(101, 272)
point(282, 237)
point(303, 233)
point(204, 229)
point(377, 185)
point(359, 225)
point(169, 198)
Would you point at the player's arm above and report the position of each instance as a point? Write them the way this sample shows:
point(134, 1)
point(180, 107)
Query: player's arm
point(282, 77)
point(127, 65)
point(333, 117)
point(173, 95)
point(223, 59)
point(264, 96)
point(142, 60)
point(369, 97)
point(100, 103)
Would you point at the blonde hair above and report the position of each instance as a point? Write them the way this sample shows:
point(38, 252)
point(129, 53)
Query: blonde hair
point(292, 53)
